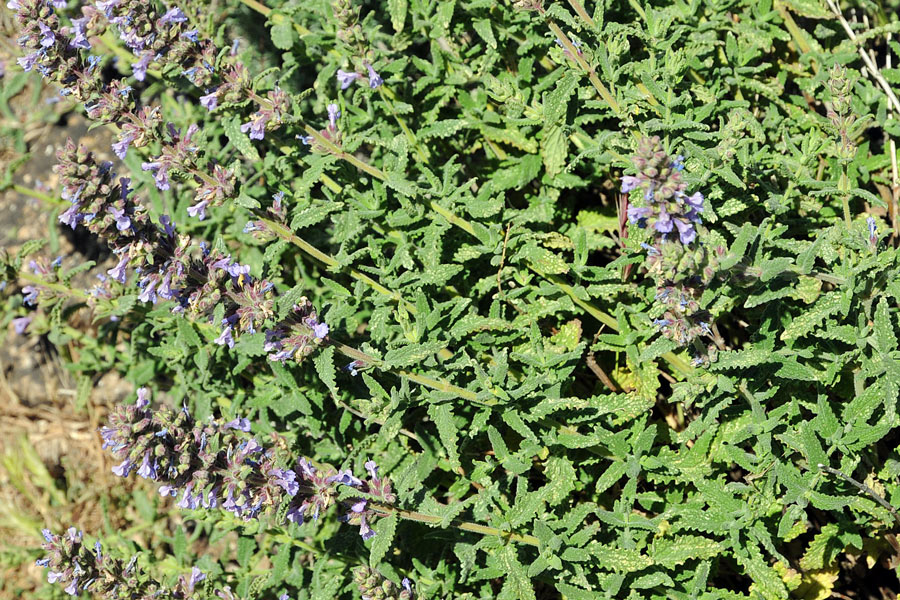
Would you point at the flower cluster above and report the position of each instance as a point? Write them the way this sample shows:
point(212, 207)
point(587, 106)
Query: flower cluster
point(161, 36)
point(659, 177)
point(681, 267)
point(165, 37)
point(200, 280)
point(79, 568)
point(217, 464)
point(56, 52)
point(375, 586)
point(351, 34)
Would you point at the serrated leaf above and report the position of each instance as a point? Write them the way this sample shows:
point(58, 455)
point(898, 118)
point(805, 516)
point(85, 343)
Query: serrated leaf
point(385, 528)
point(808, 320)
point(397, 10)
point(240, 140)
point(324, 363)
point(411, 354)
point(442, 415)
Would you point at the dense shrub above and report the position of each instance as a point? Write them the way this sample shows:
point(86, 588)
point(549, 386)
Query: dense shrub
point(543, 299)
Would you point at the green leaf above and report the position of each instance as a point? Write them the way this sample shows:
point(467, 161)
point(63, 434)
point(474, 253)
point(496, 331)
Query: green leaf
point(324, 362)
point(240, 140)
point(411, 354)
point(885, 339)
point(483, 29)
point(442, 415)
point(516, 584)
point(283, 35)
point(397, 10)
point(561, 477)
point(385, 528)
point(808, 320)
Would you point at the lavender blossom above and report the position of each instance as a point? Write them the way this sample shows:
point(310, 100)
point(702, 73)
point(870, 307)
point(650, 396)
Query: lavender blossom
point(78, 568)
point(217, 464)
point(20, 324)
point(346, 78)
point(668, 208)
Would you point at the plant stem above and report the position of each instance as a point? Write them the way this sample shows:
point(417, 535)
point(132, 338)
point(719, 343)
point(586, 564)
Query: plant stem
point(575, 4)
point(463, 525)
point(598, 85)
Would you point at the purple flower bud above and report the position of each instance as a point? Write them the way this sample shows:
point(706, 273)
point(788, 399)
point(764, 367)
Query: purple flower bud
point(346, 78)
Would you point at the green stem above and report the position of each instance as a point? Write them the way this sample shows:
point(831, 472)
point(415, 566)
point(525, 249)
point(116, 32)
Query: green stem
point(286, 234)
point(429, 382)
point(598, 85)
point(463, 525)
point(575, 4)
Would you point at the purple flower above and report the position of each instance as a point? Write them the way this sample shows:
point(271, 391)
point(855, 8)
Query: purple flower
point(72, 588)
point(192, 35)
point(210, 101)
point(375, 79)
point(21, 324)
point(225, 338)
point(256, 127)
point(346, 78)
point(122, 220)
point(241, 424)
point(143, 397)
point(873, 230)
point(48, 38)
point(120, 148)
point(320, 330)
point(123, 469)
point(287, 480)
point(334, 114)
point(139, 69)
point(636, 214)
point(629, 182)
point(28, 61)
point(30, 295)
point(198, 210)
point(160, 173)
point(686, 231)
point(168, 490)
point(345, 477)
point(147, 469)
point(14, 5)
point(663, 222)
point(372, 468)
point(174, 15)
point(79, 39)
point(118, 272)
